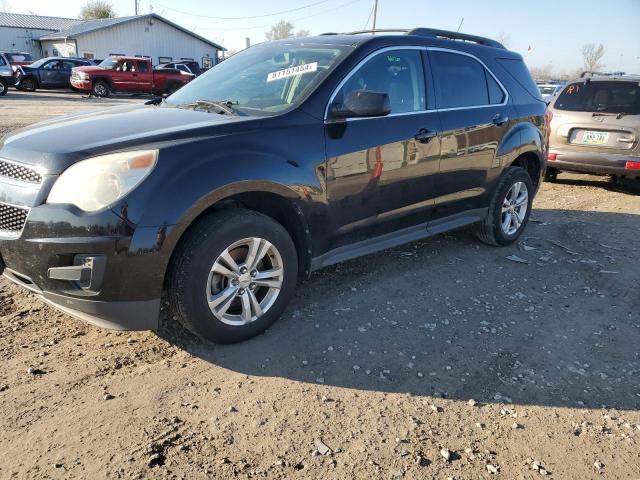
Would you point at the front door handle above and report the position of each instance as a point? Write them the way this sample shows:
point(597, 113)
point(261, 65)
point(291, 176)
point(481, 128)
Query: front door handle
point(499, 120)
point(424, 135)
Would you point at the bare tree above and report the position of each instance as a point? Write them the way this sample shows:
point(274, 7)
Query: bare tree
point(284, 29)
point(544, 72)
point(504, 39)
point(97, 9)
point(592, 55)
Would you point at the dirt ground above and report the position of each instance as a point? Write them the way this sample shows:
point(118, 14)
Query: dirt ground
point(380, 368)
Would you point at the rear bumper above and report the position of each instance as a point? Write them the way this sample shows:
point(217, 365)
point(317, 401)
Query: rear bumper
point(589, 162)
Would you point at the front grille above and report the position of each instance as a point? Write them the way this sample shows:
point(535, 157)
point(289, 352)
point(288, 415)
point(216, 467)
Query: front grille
point(19, 172)
point(12, 218)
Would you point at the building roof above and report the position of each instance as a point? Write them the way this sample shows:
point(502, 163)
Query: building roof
point(36, 22)
point(93, 25)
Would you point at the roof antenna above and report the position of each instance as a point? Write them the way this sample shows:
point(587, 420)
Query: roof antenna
point(461, 20)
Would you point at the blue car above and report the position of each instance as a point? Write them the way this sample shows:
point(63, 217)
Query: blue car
point(51, 72)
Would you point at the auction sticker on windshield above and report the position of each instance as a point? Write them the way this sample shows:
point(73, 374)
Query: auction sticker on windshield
point(293, 71)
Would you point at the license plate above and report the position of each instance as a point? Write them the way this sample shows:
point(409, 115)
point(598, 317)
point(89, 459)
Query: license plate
point(595, 138)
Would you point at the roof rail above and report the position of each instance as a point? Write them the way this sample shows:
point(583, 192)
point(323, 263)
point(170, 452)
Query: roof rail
point(446, 34)
point(430, 33)
point(590, 74)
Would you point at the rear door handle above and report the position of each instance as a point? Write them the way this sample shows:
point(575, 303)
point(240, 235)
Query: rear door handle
point(424, 135)
point(500, 120)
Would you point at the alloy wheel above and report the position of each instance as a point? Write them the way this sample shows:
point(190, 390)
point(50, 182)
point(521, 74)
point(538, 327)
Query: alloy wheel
point(514, 208)
point(245, 281)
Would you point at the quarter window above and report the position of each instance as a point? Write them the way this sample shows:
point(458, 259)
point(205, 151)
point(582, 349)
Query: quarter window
point(398, 73)
point(462, 81)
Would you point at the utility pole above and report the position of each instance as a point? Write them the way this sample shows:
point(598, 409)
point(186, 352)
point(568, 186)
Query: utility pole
point(136, 2)
point(375, 15)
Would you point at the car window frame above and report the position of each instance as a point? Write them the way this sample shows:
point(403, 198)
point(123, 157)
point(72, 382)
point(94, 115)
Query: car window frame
point(505, 100)
point(430, 83)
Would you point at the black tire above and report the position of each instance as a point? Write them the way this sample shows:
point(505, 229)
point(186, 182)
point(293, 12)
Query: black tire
point(173, 88)
point(490, 231)
point(196, 254)
point(551, 174)
point(100, 88)
point(3, 88)
point(28, 84)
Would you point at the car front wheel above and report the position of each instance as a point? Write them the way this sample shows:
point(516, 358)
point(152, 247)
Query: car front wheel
point(28, 84)
point(232, 276)
point(100, 89)
point(509, 209)
point(3, 88)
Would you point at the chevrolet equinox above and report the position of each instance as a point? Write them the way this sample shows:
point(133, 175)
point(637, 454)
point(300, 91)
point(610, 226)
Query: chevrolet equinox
point(287, 157)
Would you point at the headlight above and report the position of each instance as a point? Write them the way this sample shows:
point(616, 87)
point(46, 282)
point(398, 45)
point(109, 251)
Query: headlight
point(94, 184)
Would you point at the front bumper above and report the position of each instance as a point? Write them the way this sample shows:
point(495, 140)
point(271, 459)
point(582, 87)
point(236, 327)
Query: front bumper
point(593, 162)
point(84, 85)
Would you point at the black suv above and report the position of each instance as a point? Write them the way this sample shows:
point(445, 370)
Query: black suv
point(287, 157)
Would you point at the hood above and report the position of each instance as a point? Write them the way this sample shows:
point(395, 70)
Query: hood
point(89, 69)
point(58, 143)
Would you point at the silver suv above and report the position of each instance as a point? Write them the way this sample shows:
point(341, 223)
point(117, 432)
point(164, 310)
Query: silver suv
point(596, 126)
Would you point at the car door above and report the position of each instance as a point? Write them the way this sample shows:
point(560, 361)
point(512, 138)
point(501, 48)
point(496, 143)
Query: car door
point(123, 76)
point(64, 74)
point(475, 116)
point(381, 172)
point(49, 73)
point(143, 76)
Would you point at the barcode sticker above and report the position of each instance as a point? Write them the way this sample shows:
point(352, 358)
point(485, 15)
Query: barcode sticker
point(293, 71)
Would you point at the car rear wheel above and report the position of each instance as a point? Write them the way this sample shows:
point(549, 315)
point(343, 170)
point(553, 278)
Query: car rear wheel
point(100, 88)
point(3, 88)
point(28, 84)
point(232, 276)
point(509, 209)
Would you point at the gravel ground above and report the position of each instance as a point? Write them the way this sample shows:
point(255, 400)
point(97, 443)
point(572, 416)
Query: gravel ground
point(439, 359)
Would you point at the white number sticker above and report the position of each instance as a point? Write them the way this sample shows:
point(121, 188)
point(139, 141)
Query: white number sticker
point(293, 71)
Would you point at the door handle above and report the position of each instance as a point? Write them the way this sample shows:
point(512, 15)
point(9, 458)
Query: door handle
point(499, 120)
point(424, 135)
point(626, 139)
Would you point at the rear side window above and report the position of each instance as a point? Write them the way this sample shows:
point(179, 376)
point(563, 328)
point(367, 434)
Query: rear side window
point(520, 73)
point(601, 96)
point(143, 67)
point(462, 81)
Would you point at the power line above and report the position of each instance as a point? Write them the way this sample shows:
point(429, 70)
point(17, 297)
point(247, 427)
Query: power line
point(368, 18)
point(337, 7)
point(242, 18)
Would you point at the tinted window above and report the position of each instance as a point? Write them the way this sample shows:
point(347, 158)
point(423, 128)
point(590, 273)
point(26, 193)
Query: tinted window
point(520, 73)
point(397, 73)
point(68, 65)
point(143, 67)
point(55, 65)
point(2, 62)
point(496, 95)
point(460, 80)
point(601, 96)
point(19, 57)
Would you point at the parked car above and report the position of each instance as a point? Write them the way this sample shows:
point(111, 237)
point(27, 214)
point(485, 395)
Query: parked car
point(596, 127)
point(174, 66)
point(191, 66)
point(16, 59)
point(550, 90)
point(127, 74)
point(289, 156)
point(51, 72)
point(6, 76)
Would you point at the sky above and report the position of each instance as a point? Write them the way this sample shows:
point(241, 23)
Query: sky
point(546, 32)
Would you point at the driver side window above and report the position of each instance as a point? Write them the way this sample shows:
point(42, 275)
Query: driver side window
point(398, 73)
point(55, 65)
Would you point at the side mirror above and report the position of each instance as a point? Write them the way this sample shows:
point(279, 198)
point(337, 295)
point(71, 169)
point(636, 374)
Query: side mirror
point(362, 103)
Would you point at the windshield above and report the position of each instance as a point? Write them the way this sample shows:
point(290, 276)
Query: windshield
point(38, 63)
point(19, 57)
point(601, 96)
point(109, 63)
point(264, 80)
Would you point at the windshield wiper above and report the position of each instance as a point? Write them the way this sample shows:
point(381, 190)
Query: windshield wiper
point(223, 107)
point(605, 114)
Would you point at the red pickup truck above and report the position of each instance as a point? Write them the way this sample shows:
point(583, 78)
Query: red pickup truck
point(127, 74)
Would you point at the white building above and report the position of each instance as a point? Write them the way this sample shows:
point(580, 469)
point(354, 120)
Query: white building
point(144, 35)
